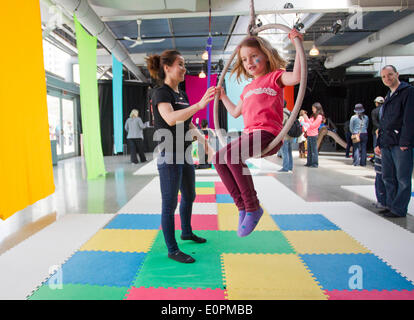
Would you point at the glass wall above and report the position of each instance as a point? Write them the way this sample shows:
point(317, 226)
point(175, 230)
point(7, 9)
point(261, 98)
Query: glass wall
point(62, 124)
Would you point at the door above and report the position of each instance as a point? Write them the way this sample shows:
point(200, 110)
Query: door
point(68, 121)
point(62, 124)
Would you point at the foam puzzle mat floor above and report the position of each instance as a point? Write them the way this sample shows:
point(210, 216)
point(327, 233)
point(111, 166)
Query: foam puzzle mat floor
point(288, 256)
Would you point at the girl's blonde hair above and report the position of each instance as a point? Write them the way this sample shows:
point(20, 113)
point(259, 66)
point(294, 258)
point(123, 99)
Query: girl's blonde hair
point(134, 113)
point(275, 61)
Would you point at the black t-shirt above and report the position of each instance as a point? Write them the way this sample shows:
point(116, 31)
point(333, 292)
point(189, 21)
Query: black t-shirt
point(178, 132)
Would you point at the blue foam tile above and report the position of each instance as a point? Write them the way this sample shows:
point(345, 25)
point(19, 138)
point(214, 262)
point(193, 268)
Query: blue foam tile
point(224, 198)
point(345, 271)
point(303, 222)
point(115, 269)
point(135, 221)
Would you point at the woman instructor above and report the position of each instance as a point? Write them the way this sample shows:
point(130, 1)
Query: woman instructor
point(172, 118)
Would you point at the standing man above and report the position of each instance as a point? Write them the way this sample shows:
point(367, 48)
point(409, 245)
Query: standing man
point(375, 119)
point(395, 142)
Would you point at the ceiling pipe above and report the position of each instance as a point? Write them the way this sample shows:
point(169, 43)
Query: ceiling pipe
point(389, 34)
point(91, 22)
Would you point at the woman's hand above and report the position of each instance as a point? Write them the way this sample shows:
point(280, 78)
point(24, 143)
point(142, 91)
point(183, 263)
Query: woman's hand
point(294, 33)
point(207, 98)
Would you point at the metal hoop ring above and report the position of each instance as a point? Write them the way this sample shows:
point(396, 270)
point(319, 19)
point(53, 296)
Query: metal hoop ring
point(301, 93)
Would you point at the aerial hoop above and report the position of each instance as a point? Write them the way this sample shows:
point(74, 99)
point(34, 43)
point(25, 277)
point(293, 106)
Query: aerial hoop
point(301, 93)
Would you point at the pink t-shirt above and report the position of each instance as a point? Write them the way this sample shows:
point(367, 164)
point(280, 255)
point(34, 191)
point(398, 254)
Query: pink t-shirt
point(314, 124)
point(262, 107)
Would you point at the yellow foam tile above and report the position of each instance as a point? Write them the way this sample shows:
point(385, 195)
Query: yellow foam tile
point(204, 191)
point(228, 219)
point(121, 240)
point(259, 294)
point(268, 276)
point(323, 242)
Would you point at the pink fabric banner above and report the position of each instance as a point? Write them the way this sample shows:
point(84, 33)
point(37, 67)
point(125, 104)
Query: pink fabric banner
point(195, 88)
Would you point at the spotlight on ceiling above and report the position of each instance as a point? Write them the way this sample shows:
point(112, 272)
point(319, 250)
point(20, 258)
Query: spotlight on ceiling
point(336, 27)
point(288, 5)
point(314, 51)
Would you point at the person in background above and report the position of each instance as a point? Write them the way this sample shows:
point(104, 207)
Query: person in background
point(380, 191)
point(348, 139)
point(312, 132)
point(358, 125)
point(203, 149)
point(375, 119)
point(135, 138)
point(302, 138)
point(287, 164)
point(395, 142)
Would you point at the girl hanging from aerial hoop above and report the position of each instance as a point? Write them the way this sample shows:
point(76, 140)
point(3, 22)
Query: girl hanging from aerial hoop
point(261, 105)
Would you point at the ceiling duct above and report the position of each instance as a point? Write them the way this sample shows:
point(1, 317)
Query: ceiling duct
point(91, 22)
point(389, 34)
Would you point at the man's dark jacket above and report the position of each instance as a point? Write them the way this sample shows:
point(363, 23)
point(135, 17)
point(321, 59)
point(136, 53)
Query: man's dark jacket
point(397, 118)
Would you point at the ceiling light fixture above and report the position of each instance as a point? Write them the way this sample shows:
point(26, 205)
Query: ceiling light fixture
point(314, 51)
point(201, 75)
point(205, 55)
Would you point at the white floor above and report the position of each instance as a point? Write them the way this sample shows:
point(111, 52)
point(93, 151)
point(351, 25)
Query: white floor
point(24, 267)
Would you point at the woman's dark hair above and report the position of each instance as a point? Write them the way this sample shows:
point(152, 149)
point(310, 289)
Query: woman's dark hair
point(204, 123)
point(155, 63)
point(319, 110)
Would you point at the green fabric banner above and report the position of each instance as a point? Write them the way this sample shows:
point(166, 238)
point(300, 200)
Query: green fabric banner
point(89, 102)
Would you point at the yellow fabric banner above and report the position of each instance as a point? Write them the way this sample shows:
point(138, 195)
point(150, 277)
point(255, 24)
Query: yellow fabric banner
point(26, 172)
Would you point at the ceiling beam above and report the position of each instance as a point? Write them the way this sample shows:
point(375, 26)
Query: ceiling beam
point(241, 7)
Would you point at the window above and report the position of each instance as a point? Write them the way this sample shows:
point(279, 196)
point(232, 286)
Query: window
point(55, 59)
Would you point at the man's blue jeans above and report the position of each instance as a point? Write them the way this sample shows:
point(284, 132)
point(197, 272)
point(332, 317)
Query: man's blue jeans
point(397, 168)
point(174, 178)
point(287, 155)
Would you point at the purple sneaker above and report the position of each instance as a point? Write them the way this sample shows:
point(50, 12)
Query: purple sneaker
point(242, 214)
point(250, 222)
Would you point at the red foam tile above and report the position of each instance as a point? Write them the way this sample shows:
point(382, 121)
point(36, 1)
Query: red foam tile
point(220, 188)
point(202, 198)
point(175, 294)
point(199, 222)
point(370, 295)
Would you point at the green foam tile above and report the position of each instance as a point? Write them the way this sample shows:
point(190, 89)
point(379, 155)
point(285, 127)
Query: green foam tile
point(273, 242)
point(160, 271)
point(79, 292)
point(204, 184)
